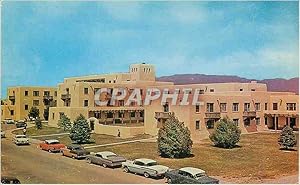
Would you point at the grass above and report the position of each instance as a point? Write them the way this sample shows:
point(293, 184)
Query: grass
point(32, 131)
point(257, 157)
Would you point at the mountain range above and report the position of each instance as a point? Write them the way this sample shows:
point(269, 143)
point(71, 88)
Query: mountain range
point(276, 84)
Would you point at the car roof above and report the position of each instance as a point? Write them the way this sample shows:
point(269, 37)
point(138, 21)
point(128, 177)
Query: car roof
point(51, 140)
point(145, 160)
point(74, 146)
point(20, 135)
point(105, 153)
point(191, 170)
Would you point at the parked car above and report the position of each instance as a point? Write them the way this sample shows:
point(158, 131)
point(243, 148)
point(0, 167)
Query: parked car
point(2, 134)
point(21, 124)
point(189, 175)
point(52, 145)
point(9, 121)
point(9, 180)
point(21, 140)
point(106, 159)
point(74, 151)
point(146, 167)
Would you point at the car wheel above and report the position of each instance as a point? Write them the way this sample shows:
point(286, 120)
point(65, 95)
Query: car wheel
point(49, 151)
point(126, 169)
point(146, 175)
point(73, 157)
point(104, 165)
point(169, 180)
point(89, 160)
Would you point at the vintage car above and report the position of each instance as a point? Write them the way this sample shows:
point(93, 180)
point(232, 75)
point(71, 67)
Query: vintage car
point(9, 180)
point(74, 151)
point(9, 121)
point(146, 167)
point(189, 175)
point(21, 124)
point(2, 134)
point(51, 145)
point(21, 140)
point(106, 159)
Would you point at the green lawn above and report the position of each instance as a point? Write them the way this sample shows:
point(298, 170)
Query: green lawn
point(258, 157)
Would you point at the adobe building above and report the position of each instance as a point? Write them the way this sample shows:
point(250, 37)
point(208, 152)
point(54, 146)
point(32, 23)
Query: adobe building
point(21, 99)
point(249, 105)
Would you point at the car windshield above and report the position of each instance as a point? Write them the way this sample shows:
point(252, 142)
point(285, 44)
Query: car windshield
point(54, 142)
point(21, 136)
point(199, 175)
point(152, 164)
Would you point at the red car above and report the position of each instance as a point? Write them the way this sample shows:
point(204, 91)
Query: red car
point(52, 145)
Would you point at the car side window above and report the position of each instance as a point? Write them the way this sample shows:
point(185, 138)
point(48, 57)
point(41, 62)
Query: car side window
point(98, 155)
point(139, 163)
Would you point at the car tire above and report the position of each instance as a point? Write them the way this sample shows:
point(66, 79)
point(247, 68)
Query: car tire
point(104, 165)
point(126, 169)
point(169, 180)
point(49, 151)
point(146, 175)
point(89, 160)
point(73, 157)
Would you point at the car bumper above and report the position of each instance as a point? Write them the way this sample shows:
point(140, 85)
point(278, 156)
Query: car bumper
point(55, 150)
point(80, 156)
point(22, 143)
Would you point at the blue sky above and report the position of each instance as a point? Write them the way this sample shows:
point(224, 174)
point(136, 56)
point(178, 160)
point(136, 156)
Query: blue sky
point(43, 42)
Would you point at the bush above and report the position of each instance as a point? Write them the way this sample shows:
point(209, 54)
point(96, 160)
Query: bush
point(80, 132)
point(226, 135)
point(38, 123)
point(34, 112)
point(65, 123)
point(174, 139)
point(287, 138)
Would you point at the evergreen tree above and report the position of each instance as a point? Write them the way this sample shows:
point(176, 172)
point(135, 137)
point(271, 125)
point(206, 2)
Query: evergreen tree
point(34, 112)
point(80, 132)
point(226, 135)
point(38, 123)
point(287, 138)
point(64, 123)
point(174, 139)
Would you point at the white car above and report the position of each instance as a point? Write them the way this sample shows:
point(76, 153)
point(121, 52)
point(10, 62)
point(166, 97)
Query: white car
point(21, 140)
point(2, 134)
point(146, 167)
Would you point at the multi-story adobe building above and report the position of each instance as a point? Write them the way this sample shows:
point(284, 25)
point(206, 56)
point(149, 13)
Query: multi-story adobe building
point(20, 100)
point(249, 105)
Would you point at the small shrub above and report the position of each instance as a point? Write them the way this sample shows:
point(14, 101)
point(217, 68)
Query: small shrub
point(34, 112)
point(174, 139)
point(38, 123)
point(226, 135)
point(287, 138)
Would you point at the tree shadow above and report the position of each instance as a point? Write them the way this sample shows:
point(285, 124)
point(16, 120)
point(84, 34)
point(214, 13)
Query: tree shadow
point(180, 157)
point(235, 147)
point(288, 149)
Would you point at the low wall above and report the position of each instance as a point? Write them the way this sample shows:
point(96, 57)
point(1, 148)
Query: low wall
point(125, 132)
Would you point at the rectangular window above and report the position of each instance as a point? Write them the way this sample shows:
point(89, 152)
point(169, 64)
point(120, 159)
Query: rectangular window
point(197, 108)
point(275, 106)
point(291, 106)
point(197, 125)
point(257, 120)
point(26, 93)
point(121, 103)
point(257, 106)
point(209, 107)
point(223, 107)
point(36, 93)
point(26, 107)
point(211, 90)
point(236, 122)
point(86, 103)
point(266, 106)
point(201, 91)
point(235, 107)
point(86, 91)
point(53, 116)
point(46, 93)
point(247, 107)
point(97, 115)
point(12, 112)
point(35, 102)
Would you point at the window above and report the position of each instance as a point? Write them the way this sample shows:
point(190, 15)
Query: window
point(235, 107)
point(252, 89)
point(197, 125)
point(201, 91)
point(132, 114)
point(12, 112)
point(53, 116)
point(257, 106)
point(222, 107)
point(86, 103)
point(209, 107)
point(67, 90)
point(291, 106)
point(36, 93)
point(26, 107)
point(110, 115)
point(257, 121)
point(236, 122)
point(121, 114)
point(266, 106)
point(246, 107)
point(121, 103)
point(86, 91)
point(197, 108)
point(36, 102)
point(275, 106)
point(46, 93)
point(241, 89)
point(211, 90)
point(26, 93)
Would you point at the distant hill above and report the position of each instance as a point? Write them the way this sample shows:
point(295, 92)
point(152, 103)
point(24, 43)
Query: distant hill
point(277, 84)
